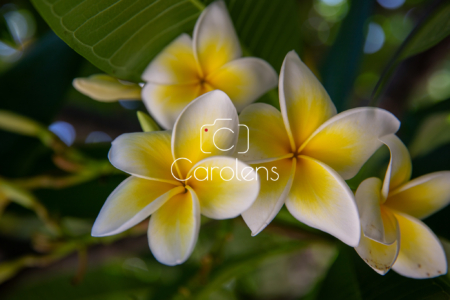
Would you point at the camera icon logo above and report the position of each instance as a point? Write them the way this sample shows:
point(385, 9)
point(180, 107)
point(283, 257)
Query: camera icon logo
point(205, 128)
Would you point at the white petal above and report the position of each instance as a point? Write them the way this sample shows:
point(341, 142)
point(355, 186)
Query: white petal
point(304, 103)
point(144, 154)
point(130, 203)
point(275, 186)
point(215, 40)
point(175, 64)
point(368, 198)
point(320, 198)
point(421, 254)
point(422, 196)
point(207, 126)
point(165, 102)
point(266, 137)
point(347, 140)
point(378, 256)
point(399, 169)
point(244, 80)
point(222, 191)
point(173, 229)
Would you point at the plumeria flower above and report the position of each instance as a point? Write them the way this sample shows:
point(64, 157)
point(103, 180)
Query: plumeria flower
point(392, 234)
point(105, 88)
point(176, 177)
point(187, 68)
point(313, 150)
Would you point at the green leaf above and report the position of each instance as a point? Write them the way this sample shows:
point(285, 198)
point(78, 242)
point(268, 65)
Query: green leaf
point(119, 37)
point(433, 30)
point(343, 61)
point(122, 37)
point(433, 133)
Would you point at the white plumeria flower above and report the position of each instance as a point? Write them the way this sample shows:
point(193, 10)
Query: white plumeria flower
point(311, 147)
point(165, 184)
point(187, 68)
point(392, 234)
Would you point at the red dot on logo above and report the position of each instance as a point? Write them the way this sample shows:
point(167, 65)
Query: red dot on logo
point(206, 129)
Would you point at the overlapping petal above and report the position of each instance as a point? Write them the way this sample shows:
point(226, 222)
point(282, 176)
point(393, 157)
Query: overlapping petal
point(421, 254)
point(166, 102)
point(347, 140)
point(130, 203)
point(175, 64)
point(320, 198)
point(215, 41)
point(272, 195)
point(368, 198)
point(378, 256)
point(173, 229)
point(244, 80)
point(144, 154)
point(206, 124)
point(225, 186)
point(422, 196)
point(304, 103)
point(399, 169)
point(266, 137)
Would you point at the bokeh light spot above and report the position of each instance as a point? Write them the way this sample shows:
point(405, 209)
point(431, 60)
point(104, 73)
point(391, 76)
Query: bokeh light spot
point(64, 131)
point(375, 38)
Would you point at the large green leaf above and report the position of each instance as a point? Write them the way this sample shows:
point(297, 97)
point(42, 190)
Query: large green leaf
point(122, 36)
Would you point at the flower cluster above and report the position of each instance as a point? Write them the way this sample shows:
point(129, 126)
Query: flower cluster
point(222, 165)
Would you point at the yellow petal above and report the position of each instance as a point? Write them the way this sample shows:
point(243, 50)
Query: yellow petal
point(215, 40)
point(130, 203)
point(304, 103)
point(378, 256)
point(276, 181)
point(347, 140)
point(106, 88)
point(208, 126)
point(175, 64)
point(166, 102)
point(266, 137)
point(422, 196)
point(421, 254)
point(320, 198)
point(173, 229)
point(244, 80)
point(225, 186)
point(399, 169)
point(144, 154)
